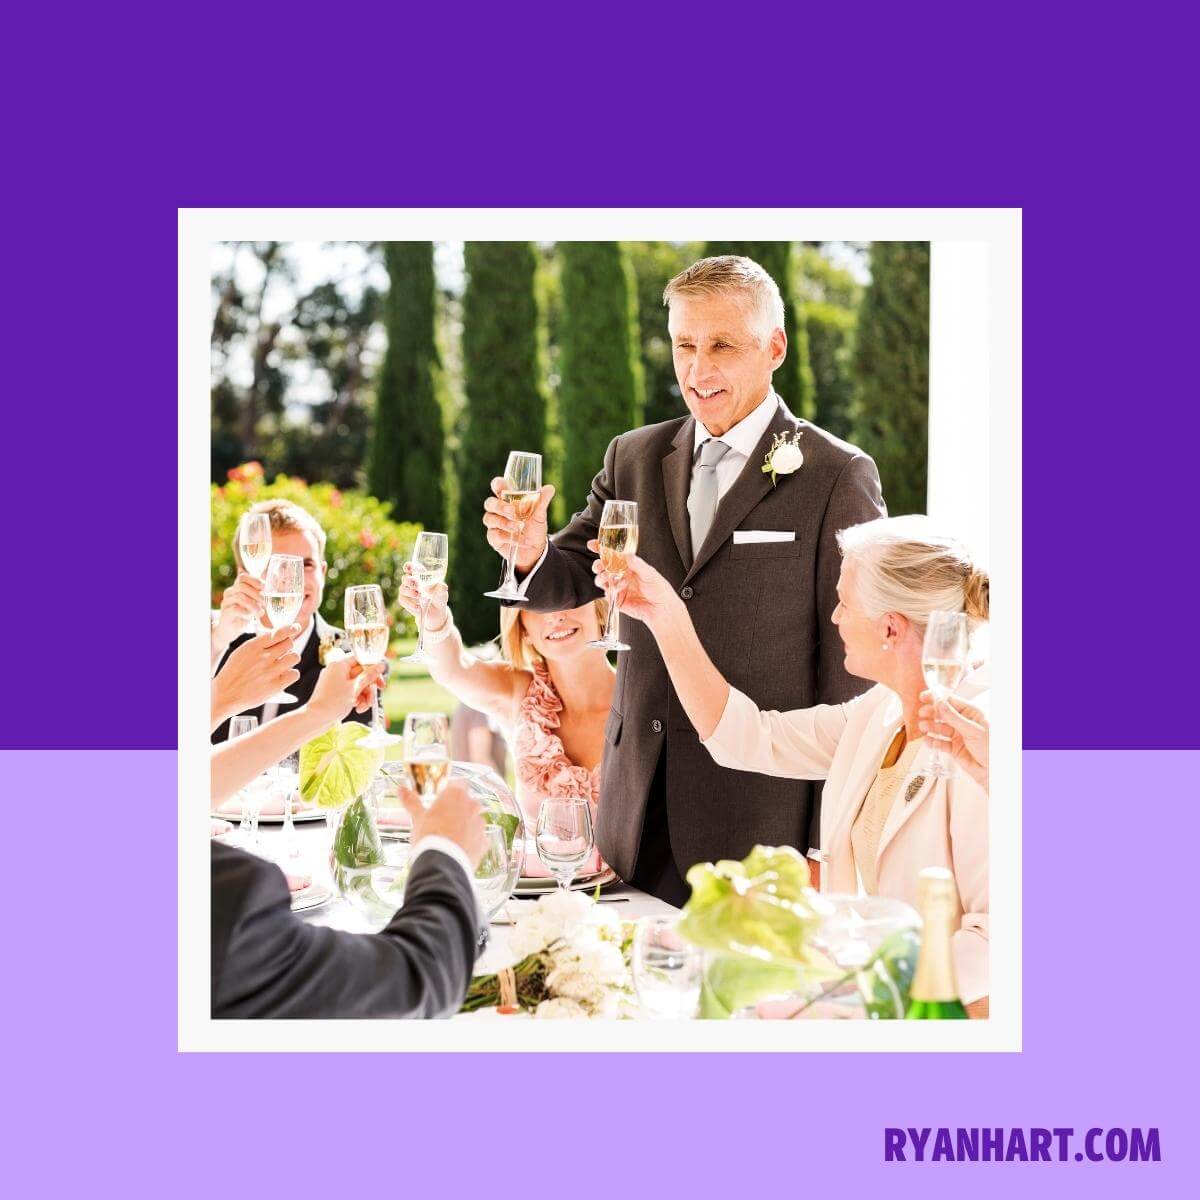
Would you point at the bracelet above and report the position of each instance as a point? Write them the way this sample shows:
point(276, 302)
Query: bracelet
point(434, 637)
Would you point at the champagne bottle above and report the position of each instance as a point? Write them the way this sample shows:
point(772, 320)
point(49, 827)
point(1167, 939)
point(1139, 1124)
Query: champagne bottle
point(934, 994)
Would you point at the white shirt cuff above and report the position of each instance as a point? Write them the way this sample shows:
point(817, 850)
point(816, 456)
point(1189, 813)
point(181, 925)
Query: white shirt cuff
point(523, 586)
point(445, 846)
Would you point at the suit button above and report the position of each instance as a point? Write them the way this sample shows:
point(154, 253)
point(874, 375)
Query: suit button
point(656, 726)
point(687, 593)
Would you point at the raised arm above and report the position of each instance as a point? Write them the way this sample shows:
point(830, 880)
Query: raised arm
point(563, 577)
point(794, 745)
point(491, 687)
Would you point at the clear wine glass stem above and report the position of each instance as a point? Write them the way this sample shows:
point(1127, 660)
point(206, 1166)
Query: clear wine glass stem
point(421, 611)
point(376, 713)
point(614, 618)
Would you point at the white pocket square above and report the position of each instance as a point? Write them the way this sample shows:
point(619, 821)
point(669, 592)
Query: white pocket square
point(763, 535)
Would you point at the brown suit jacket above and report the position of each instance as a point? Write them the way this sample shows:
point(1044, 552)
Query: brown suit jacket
point(761, 609)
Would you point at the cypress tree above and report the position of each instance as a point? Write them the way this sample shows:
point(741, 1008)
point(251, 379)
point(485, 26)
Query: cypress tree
point(830, 348)
point(505, 410)
point(892, 365)
point(408, 439)
point(793, 381)
point(600, 372)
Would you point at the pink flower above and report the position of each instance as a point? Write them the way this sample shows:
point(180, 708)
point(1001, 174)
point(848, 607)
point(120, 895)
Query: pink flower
point(367, 539)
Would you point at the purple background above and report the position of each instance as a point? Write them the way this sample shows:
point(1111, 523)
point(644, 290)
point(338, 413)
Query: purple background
point(1109, 1015)
point(117, 121)
point(118, 116)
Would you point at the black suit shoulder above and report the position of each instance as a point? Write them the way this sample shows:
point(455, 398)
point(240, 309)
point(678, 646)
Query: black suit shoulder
point(267, 962)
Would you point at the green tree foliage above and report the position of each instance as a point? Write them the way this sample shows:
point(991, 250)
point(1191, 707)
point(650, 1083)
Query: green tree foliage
point(407, 447)
point(830, 297)
point(793, 381)
point(892, 363)
point(600, 372)
point(505, 410)
point(654, 263)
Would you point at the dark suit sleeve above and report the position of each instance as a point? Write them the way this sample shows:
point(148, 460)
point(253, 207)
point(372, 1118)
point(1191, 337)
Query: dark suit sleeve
point(565, 579)
point(273, 964)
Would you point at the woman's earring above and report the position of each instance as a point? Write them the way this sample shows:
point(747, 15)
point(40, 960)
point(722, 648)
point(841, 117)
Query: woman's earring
point(886, 646)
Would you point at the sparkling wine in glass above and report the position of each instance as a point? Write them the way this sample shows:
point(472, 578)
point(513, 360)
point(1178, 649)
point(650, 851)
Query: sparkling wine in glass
point(254, 542)
point(426, 752)
point(618, 538)
point(564, 836)
point(367, 629)
point(666, 969)
point(283, 595)
point(430, 557)
point(522, 485)
point(944, 659)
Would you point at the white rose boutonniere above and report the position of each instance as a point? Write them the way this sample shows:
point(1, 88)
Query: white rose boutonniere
point(785, 457)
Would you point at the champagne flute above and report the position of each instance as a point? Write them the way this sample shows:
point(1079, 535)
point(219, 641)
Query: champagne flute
point(366, 627)
point(430, 557)
point(426, 752)
point(254, 542)
point(287, 780)
point(944, 662)
point(522, 486)
point(283, 595)
point(564, 836)
point(666, 969)
point(618, 538)
point(239, 727)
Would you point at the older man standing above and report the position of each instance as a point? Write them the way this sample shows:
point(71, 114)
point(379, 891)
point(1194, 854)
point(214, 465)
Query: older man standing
point(753, 554)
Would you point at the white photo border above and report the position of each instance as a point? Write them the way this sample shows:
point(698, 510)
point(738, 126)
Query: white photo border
point(980, 249)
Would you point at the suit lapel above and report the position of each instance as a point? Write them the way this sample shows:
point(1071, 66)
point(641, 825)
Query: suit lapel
point(677, 480)
point(914, 793)
point(748, 489)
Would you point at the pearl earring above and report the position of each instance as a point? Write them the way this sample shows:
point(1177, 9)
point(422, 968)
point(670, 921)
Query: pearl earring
point(886, 646)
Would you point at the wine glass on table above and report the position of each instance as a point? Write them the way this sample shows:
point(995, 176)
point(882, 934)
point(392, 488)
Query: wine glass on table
point(283, 595)
point(944, 659)
point(491, 876)
point(522, 486)
point(564, 836)
point(367, 629)
point(430, 557)
point(618, 538)
point(666, 969)
point(426, 752)
point(239, 727)
point(254, 542)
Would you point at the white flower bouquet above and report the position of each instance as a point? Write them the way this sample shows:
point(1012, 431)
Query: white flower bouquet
point(568, 957)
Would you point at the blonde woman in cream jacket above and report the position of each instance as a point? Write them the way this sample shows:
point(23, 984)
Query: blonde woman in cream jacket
point(882, 818)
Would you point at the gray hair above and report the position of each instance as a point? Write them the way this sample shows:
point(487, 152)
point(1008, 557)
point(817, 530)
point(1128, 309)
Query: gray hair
point(742, 276)
point(905, 566)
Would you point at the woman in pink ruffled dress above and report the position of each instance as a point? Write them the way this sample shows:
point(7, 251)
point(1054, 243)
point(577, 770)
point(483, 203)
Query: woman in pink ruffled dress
point(551, 695)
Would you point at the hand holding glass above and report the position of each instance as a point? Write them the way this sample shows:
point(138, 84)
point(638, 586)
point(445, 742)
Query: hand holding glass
point(522, 486)
point(430, 557)
point(618, 538)
point(283, 595)
point(944, 662)
point(367, 629)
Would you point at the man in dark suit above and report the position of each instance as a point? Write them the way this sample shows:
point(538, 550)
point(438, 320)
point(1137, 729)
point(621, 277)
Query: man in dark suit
point(755, 558)
point(267, 962)
point(293, 531)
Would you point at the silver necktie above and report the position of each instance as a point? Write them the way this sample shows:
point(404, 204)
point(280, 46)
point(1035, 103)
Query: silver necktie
point(702, 500)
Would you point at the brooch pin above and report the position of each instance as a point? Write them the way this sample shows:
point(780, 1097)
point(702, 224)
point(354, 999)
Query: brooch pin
point(913, 788)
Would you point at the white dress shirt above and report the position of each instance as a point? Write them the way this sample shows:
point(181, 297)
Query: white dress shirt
point(741, 440)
